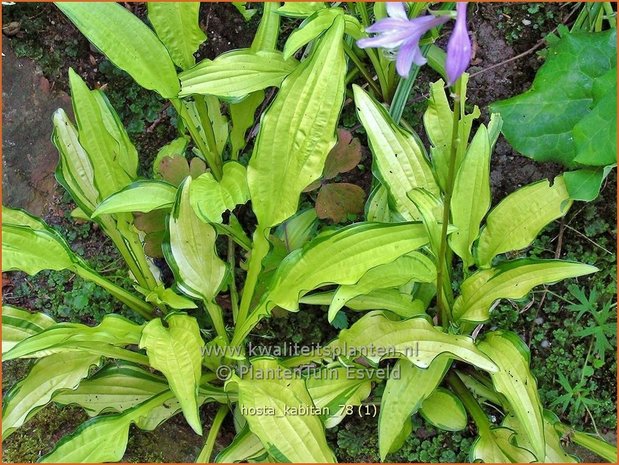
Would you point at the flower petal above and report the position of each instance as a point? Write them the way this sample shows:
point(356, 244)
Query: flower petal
point(459, 50)
point(405, 58)
point(396, 10)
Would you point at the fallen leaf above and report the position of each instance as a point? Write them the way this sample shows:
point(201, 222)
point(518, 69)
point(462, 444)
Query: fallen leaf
point(336, 201)
point(344, 156)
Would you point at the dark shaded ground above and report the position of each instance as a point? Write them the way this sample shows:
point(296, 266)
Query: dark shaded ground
point(40, 32)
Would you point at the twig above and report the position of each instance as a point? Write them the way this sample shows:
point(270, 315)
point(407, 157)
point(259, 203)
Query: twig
point(590, 240)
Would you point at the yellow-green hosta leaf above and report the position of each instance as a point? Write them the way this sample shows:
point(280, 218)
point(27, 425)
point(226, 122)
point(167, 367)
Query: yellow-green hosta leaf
point(378, 337)
point(177, 26)
point(19, 324)
point(405, 390)
point(310, 29)
point(278, 409)
point(298, 130)
point(237, 73)
point(300, 9)
point(515, 381)
point(115, 388)
point(176, 351)
point(438, 122)
point(297, 231)
point(341, 257)
point(510, 280)
point(471, 195)
point(337, 388)
point(104, 438)
point(113, 330)
point(127, 42)
point(210, 198)
point(75, 171)
point(399, 156)
point(46, 377)
point(377, 206)
point(497, 445)
point(444, 410)
point(242, 117)
point(246, 447)
point(190, 251)
point(382, 299)
point(554, 450)
point(140, 196)
point(517, 220)
point(412, 267)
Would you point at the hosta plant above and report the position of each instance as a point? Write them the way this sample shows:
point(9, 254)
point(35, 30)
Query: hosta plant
point(424, 268)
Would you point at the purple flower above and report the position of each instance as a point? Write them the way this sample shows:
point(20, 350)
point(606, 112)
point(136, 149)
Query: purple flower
point(459, 46)
point(399, 34)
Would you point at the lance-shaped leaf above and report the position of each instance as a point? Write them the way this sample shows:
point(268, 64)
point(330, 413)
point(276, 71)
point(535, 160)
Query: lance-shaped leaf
point(113, 330)
point(498, 445)
point(335, 388)
point(515, 381)
point(127, 42)
point(210, 198)
point(19, 324)
point(412, 267)
point(375, 336)
point(554, 450)
point(399, 158)
point(237, 73)
point(405, 390)
point(515, 222)
point(471, 195)
point(288, 435)
point(438, 122)
point(444, 410)
point(245, 447)
point(140, 196)
point(176, 351)
point(392, 300)
point(298, 130)
point(510, 280)
point(104, 438)
point(177, 26)
point(189, 249)
point(310, 29)
point(46, 377)
point(115, 388)
point(341, 257)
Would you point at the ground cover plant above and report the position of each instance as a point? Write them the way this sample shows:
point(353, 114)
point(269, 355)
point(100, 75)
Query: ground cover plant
point(419, 274)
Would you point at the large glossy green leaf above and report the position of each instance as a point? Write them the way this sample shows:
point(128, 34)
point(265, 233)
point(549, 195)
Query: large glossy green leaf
point(237, 73)
point(114, 330)
point(176, 351)
point(471, 195)
point(399, 157)
point(127, 42)
point(517, 220)
point(104, 438)
point(412, 267)
point(115, 388)
point(189, 249)
point(177, 26)
point(298, 130)
point(561, 118)
point(46, 377)
point(438, 122)
point(140, 196)
point(515, 381)
point(210, 198)
point(444, 410)
point(341, 257)
point(510, 280)
point(498, 445)
point(376, 336)
point(336, 388)
point(405, 390)
point(19, 324)
point(287, 435)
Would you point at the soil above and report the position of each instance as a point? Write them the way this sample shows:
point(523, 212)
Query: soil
point(41, 32)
